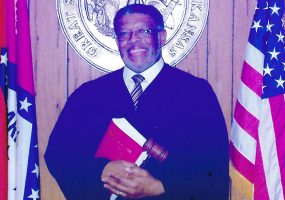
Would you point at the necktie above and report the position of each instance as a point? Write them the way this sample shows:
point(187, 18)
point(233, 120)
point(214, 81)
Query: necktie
point(137, 91)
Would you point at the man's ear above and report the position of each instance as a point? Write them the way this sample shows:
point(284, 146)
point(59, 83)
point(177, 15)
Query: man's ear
point(162, 37)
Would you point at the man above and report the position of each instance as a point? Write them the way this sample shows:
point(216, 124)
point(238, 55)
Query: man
point(180, 112)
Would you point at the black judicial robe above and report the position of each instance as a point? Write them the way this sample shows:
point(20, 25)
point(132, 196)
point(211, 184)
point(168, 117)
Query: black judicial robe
point(179, 111)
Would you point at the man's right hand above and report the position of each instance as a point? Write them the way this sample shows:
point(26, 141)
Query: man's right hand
point(117, 167)
point(130, 181)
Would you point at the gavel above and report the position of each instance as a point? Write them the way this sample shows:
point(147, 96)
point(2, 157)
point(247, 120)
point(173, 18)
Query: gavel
point(154, 150)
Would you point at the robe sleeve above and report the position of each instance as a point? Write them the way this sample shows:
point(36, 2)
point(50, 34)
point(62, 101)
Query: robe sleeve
point(71, 149)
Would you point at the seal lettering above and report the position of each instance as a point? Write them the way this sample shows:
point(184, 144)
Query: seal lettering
point(67, 2)
point(91, 51)
point(172, 52)
point(185, 36)
point(85, 43)
point(77, 36)
point(69, 16)
point(74, 25)
point(193, 17)
point(179, 44)
point(196, 4)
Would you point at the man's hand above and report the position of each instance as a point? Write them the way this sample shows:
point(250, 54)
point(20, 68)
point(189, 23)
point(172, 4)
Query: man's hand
point(130, 181)
point(117, 167)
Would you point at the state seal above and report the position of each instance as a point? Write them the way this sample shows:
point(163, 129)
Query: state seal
point(88, 27)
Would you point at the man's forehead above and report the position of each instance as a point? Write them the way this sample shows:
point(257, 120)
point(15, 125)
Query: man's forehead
point(136, 18)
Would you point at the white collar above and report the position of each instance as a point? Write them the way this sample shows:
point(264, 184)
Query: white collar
point(148, 74)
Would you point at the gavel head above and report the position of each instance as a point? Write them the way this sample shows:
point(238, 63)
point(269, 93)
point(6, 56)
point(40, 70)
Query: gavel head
point(154, 150)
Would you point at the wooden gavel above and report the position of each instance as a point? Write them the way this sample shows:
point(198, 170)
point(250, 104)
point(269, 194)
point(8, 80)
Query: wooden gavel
point(154, 150)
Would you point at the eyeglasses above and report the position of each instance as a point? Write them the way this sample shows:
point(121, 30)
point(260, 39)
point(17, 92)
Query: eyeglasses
point(140, 34)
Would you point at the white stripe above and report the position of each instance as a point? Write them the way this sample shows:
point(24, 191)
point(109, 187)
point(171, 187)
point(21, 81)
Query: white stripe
point(269, 152)
point(249, 100)
point(23, 151)
point(254, 58)
point(243, 142)
point(12, 150)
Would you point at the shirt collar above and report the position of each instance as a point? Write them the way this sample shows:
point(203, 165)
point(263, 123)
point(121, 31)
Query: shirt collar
point(148, 74)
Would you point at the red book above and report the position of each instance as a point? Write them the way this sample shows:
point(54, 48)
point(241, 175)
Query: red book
point(122, 142)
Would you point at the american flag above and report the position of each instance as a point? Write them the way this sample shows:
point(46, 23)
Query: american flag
point(257, 142)
point(19, 162)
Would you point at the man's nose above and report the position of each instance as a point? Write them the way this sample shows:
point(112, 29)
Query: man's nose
point(133, 37)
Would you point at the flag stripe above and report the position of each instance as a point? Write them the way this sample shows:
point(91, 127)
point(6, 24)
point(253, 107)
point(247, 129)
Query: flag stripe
point(277, 105)
point(245, 167)
point(252, 78)
point(251, 102)
point(260, 188)
point(24, 59)
point(269, 153)
point(246, 120)
point(254, 58)
point(11, 31)
point(2, 24)
point(3, 123)
point(243, 142)
point(3, 149)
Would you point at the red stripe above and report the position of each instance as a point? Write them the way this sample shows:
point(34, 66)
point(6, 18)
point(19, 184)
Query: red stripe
point(277, 106)
point(2, 24)
point(245, 167)
point(24, 58)
point(11, 34)
point(3, 125)
point(3, 149)
point(246, 120)
point(252, 78)
point(260, 191)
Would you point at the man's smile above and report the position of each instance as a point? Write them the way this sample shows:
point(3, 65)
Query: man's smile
point(137, 51)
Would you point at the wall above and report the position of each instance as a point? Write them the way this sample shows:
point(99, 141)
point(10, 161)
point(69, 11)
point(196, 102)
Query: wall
point(58, 70)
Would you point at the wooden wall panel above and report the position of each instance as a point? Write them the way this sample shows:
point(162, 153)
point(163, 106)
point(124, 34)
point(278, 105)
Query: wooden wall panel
point(79, 71)
point(196, 62)
point(58, 70)
point(49, 59)
point(220, 54)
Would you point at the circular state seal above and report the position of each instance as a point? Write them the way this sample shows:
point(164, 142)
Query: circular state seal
point(88, 27)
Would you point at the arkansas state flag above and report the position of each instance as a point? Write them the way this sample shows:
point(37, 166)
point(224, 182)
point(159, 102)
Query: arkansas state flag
point(19, 162)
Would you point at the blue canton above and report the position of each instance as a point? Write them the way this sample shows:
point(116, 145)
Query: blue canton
point(267, 35)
